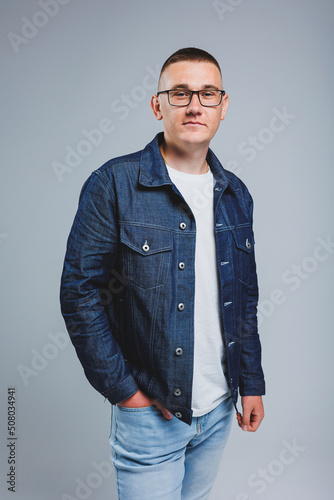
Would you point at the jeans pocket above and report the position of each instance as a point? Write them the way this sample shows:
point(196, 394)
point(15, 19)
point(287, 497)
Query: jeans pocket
point(139, 409)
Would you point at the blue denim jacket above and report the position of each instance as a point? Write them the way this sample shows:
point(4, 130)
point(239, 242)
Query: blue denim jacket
point(128, 303)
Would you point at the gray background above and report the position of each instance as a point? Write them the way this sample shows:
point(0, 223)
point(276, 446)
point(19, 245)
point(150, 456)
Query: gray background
point(276, 58)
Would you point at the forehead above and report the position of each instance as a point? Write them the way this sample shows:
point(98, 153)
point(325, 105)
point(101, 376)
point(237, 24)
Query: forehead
point(193, 74)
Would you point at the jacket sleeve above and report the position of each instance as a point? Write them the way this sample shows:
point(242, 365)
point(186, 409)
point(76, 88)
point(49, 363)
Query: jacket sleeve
point(251, 381)
point(90, 258)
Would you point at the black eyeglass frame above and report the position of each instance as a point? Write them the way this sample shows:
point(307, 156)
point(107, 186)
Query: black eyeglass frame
point(222, 93)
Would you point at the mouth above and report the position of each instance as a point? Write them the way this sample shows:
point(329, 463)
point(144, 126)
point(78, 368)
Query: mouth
point(194, 123)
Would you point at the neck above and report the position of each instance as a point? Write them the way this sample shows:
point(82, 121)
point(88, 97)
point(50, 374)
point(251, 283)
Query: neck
point(189, 162)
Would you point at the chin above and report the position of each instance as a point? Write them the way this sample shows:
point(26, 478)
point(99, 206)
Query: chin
point(196, 138)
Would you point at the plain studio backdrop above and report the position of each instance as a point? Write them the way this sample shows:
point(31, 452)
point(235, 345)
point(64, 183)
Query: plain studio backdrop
point(76, 81)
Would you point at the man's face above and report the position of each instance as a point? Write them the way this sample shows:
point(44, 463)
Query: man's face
point(194, 124)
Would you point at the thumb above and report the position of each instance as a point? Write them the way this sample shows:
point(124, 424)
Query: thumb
point(245, 421)
point(166, 414)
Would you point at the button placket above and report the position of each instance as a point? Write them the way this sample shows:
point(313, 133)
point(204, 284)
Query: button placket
point(180, 307)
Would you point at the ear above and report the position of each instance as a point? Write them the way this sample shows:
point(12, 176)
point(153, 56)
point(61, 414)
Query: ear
point(155, 105)
point(224, 106)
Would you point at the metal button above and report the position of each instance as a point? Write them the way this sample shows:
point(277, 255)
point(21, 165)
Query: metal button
point(177, 392)
point(180, 306)
point(182, 265)
point(178, 414)
point(248, 245)
point(178, 351)
point(183, 225)
point(145, 247)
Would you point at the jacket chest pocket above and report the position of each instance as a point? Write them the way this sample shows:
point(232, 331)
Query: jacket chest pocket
point(244, 242)
point(146, 255)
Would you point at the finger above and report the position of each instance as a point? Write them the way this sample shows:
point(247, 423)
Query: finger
point(255, 421)
point(166, 414)
point(254, 425)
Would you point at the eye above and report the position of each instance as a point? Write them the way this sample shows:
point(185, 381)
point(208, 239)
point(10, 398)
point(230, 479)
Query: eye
point(180, 94)
point(207, 94)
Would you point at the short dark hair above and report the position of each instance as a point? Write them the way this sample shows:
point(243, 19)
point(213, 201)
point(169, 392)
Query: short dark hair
point(190, 54)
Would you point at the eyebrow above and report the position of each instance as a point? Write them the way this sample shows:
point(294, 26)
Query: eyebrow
point(186, 86)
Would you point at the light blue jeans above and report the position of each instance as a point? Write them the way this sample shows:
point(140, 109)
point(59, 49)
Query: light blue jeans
point(158, 459)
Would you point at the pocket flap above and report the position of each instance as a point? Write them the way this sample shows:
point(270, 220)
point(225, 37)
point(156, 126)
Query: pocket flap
point(243, 237)
point(146, 240)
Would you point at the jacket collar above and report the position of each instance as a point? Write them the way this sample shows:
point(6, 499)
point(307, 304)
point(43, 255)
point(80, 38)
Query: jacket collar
point(153, 171)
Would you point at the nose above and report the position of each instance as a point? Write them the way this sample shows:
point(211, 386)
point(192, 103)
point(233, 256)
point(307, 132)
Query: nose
point(194, 105)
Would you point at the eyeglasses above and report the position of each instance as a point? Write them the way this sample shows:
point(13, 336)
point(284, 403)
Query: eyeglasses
point(182, 97)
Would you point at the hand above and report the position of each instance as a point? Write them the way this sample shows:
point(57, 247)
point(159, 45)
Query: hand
point(140, 400)
point(253, 413)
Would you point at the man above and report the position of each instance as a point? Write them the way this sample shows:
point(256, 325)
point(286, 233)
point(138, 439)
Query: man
point(159, 293)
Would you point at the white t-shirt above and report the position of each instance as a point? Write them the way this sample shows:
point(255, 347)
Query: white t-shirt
point(210, 386)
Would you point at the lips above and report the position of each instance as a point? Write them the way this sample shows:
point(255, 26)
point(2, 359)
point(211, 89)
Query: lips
point(193, 123)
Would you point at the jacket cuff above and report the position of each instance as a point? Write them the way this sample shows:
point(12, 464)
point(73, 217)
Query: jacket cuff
point(256, 389)
point(123, 390)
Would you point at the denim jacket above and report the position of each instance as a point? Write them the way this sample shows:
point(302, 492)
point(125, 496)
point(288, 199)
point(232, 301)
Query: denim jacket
point(127, 288)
